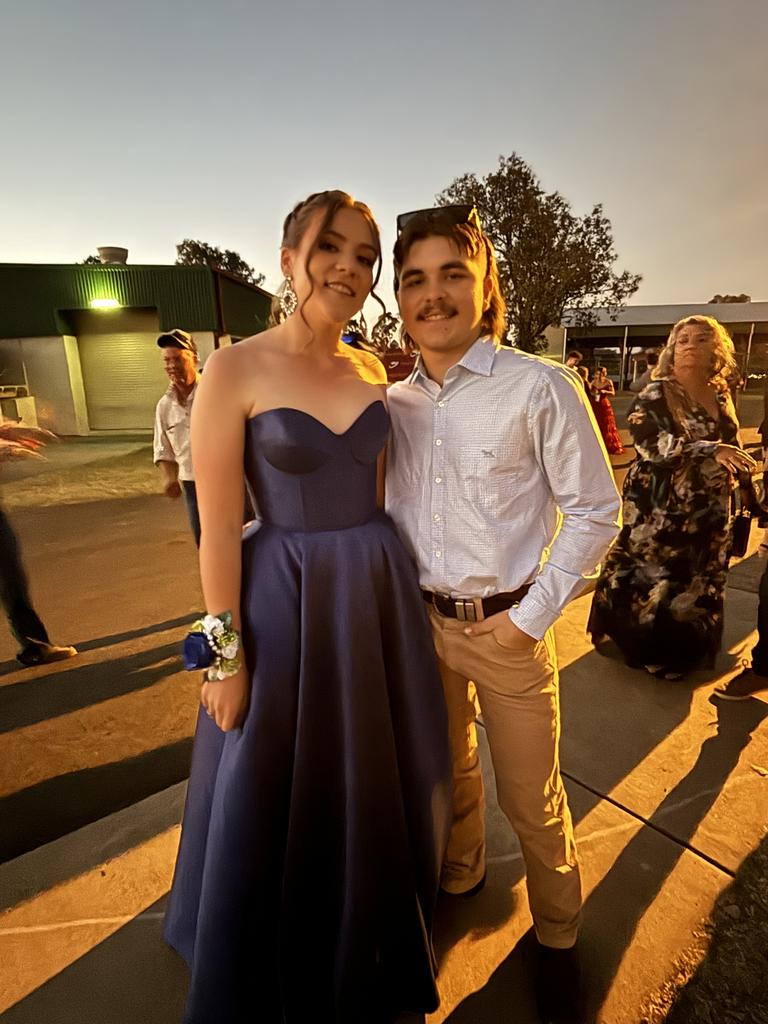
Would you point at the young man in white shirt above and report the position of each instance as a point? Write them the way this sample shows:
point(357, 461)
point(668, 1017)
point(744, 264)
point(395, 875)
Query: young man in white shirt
point(501, 488)
point(172, 452)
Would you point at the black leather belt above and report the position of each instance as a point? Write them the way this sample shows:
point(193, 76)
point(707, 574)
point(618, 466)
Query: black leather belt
point(474, 609)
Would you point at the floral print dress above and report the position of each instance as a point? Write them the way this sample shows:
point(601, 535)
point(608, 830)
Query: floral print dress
point(660, 595)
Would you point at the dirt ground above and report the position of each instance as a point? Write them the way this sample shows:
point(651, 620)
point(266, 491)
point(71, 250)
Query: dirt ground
point(723, 977)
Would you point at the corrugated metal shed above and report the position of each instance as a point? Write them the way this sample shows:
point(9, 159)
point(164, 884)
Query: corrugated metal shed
point(244, 308)
point(35, 297)
point(743, 313)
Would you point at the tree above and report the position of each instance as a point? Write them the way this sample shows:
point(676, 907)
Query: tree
point(193, 253)
point(731, 298)
point(385, 336)
point(550, 260)
point(91, 261)
point(357, 325)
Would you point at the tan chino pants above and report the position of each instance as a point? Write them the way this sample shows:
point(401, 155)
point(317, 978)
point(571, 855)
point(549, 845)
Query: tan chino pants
point(519, 699)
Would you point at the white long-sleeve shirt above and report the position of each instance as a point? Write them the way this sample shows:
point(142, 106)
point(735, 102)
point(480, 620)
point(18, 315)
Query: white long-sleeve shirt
point(499, 478)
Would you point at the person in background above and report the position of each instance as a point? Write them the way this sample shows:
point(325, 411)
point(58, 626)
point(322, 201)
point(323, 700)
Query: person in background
point(573, 359)
point(753, 678)
point(602, 391)
point(17, 442)
point(583, 373)
point(660, 595)
point(172, 453)
point(651, 360)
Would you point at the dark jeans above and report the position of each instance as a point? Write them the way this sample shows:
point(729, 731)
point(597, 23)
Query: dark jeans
point(190, 497)
point(14, 593)
point(760, 650)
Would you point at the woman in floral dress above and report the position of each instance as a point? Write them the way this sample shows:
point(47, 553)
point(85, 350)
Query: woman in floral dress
point(660, 595)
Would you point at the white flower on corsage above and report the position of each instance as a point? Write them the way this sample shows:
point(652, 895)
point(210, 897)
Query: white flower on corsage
point(224, 642)
point(213, 624)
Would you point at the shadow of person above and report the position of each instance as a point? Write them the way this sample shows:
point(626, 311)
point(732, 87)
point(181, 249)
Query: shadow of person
point(129, 977)
point(78, 684)
point(730, 981)
point(616, 905)
point(508, 995)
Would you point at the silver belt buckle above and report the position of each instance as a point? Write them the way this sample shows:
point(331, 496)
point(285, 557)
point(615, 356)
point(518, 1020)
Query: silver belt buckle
point(469, 609)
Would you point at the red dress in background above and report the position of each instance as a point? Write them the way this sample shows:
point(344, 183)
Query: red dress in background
point(606, 421)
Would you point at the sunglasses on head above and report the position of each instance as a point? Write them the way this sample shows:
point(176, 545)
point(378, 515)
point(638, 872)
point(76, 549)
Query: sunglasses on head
point(456, 214)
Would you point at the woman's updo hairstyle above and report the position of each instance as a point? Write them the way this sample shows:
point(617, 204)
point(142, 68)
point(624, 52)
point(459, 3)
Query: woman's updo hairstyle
point(297, 222)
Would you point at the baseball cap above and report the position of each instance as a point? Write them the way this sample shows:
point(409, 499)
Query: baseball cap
point(176, 338)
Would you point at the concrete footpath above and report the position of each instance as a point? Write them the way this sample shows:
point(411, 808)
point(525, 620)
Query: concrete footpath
point(669, 790)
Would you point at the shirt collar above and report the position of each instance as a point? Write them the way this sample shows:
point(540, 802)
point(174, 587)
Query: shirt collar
point(477, 359)
point(171, 392)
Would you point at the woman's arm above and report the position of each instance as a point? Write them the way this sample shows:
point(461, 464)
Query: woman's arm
point(659, 439)
point(217, 441)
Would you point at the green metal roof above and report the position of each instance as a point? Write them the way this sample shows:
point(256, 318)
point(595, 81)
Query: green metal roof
point(245, 310)
point(34, 297)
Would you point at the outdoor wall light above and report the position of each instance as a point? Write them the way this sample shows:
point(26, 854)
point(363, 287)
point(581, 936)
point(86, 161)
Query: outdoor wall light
point(105, 304)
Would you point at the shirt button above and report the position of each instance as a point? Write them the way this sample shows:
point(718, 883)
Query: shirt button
point(438, 554)
point(438, 479)
point(441, 403)
point(436, 517)
point(438, 442)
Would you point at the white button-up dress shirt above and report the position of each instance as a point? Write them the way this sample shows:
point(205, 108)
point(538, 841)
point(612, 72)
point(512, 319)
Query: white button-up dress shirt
point(500, 478)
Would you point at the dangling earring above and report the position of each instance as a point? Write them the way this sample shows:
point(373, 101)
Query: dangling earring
point(289, 301)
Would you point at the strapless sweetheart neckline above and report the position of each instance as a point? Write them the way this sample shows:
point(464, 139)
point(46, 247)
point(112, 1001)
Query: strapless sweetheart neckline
point(309, 416)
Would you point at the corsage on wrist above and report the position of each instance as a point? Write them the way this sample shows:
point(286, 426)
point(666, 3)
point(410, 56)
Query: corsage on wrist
point(213, 644)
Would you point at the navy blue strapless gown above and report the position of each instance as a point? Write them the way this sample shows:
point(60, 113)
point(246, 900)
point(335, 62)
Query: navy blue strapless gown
point(313, 836)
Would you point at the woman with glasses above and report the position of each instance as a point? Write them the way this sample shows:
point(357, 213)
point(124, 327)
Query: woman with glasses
point(319, 798)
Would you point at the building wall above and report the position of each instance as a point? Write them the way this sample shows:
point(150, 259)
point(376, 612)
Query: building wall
point(554, 339)
point(56, 383)
point(206, 343)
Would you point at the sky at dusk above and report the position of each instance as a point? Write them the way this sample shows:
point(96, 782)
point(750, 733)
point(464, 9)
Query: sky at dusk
point(139, 124)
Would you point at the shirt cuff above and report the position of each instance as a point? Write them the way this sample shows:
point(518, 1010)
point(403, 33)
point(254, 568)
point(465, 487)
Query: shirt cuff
point(533, 618)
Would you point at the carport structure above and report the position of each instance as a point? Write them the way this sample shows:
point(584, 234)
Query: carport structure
point(617, 343)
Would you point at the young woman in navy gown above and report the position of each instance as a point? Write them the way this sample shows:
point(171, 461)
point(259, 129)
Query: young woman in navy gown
point(319, 798)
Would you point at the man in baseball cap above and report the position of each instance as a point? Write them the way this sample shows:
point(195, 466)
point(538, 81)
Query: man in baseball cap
point(176, 338)
point(172, 417)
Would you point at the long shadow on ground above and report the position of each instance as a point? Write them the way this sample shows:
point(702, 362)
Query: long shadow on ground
point(130, 978)
point(58, 806)
point(616, 905)
point(70, 689)
point(731, 982)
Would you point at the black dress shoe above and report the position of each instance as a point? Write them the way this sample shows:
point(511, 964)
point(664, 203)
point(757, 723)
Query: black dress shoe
point(558, 986)
point(469, 893)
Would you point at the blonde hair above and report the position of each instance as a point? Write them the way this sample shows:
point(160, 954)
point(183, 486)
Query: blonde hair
point(724, 372)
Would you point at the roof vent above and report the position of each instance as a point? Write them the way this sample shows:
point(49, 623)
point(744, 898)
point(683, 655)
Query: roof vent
point(112, 254)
